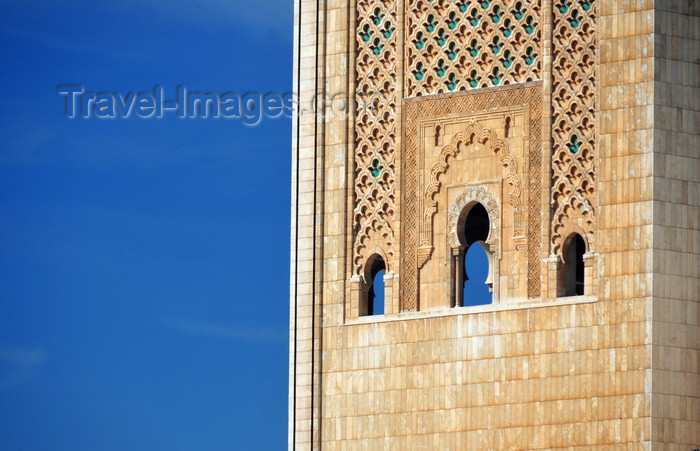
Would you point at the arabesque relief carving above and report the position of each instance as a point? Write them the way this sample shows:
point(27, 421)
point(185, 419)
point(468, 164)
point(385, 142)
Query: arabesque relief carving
point(414, 218)
point(474, 133)
point(573, 120)
point(375, 129)
point(466, 44)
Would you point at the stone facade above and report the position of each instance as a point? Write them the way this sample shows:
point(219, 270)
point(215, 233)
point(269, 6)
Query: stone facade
point(565, 120)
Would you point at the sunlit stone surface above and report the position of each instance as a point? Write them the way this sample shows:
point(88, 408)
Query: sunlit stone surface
point(574, 124)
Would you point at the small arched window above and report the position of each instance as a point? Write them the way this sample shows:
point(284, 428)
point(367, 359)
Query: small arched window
point(472, 261)
point(375, 290)
point(572, 268)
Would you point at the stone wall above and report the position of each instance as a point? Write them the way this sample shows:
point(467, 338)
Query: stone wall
point(618, 366)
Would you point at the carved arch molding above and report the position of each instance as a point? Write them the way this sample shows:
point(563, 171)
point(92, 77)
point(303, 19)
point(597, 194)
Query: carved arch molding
point(474, 133)
point(470, 195)
point(418, 203)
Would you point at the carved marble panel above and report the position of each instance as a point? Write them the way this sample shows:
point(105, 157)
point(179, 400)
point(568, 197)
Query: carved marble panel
point(521, 174)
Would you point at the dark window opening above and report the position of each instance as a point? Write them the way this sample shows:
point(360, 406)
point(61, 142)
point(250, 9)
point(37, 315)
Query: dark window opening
point(573, 267)
point(375, 294)
point(476, 227)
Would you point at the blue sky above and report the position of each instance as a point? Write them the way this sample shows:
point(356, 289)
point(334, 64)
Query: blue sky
point(143, 262)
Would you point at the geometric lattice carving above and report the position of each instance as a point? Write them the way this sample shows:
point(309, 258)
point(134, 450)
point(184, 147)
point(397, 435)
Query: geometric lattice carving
point(573, 120)
point(465, 44)
point(375, 129)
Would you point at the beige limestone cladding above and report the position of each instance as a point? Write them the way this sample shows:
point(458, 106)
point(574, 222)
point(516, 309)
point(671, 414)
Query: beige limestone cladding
point(615, 368)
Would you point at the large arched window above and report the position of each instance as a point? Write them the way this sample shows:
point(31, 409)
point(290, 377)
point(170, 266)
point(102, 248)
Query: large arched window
point(374, 302)
point(572, 269)
point(472, 261)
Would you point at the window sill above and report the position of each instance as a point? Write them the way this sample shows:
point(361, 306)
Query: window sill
point(456, 311)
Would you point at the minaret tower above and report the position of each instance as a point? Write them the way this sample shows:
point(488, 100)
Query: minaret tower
point(495, 225)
